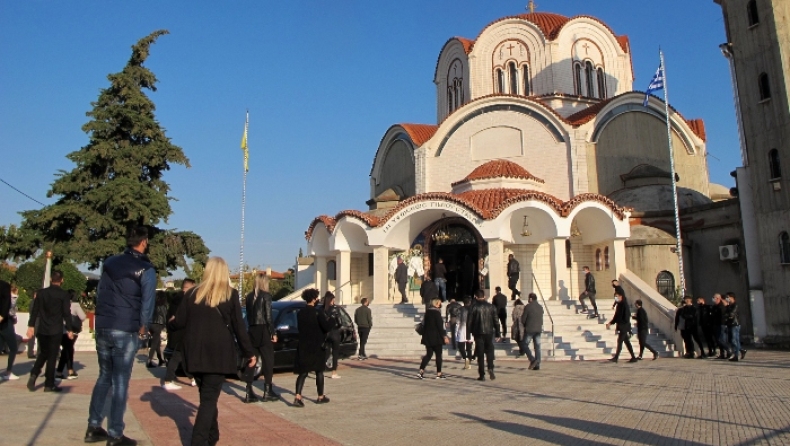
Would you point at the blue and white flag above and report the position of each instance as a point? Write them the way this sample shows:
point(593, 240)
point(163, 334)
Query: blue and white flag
point(656, 84)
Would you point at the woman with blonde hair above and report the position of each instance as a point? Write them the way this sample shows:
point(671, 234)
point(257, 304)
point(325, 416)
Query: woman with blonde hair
point(211, 317)
point(263, 337)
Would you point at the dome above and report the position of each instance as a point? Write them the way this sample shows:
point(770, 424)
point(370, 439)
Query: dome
point(499, 169)
point(657, 197)
point(550, 24)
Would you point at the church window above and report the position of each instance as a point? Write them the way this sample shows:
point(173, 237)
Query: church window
point(773, 164)
point(568, 260)
point(606, 258)
point(458, 93)
point(765, 86)
point(450, 100)
point(598, 260)
point(577, 76)
point(665, 284)
point(589, 72)
point(500, 81)
point(525, 74)
point(370, 264)
point(513, 78)
point(331, 270)
point(784, 248)
point(601, 84)
point(751, 10)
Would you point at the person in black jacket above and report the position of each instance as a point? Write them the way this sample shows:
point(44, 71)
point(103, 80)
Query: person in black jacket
point(334, 336)
point(513, 272)
point(642, 326)
point(481, 325)
point(262, 337)
point(440, 279)
point(718, 313)
point(402, 278)
point(589, 291)
point(52, 312)
point(734, 327)
point(686, 319)
point(705, 317)
point(428, 290)
point(532, 318)
point(211, 318)
point(622, 321)
point(175, 338)
point(500, 303)
point(158, 322)
point(434, 336)
point(451, 314)
point(7, 321)
point(313, 328)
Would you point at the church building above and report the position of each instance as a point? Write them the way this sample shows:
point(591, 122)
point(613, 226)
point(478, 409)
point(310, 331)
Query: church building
point(541, 149)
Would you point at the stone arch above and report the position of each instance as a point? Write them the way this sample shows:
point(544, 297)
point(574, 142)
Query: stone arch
point(318, 244)
point(542, 220)
point(349, 235)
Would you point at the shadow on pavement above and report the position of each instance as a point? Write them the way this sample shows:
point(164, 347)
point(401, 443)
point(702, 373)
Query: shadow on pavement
point(40, 429)
point(170, 405)
point(530, 431)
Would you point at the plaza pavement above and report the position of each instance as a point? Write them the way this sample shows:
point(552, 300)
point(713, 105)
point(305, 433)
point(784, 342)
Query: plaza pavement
point(381, 402)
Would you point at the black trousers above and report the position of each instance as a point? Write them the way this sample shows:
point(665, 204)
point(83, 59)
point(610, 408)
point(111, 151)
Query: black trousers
point(334, 337)
point(206, 429)
point(465, 348)
point(66, 353)
point(402, 289)
point(592, 301)
point(623, 337)
point(484, 347)
point(709, 333)
point(642, 337)
point(690, 336)
point(453, 327)
point(502, 313)
point(172, 365)
point(156, 342)
point(364, 332)
point(429, 351)
point(512, 281)
point(9, 337)
point(48, 349)
point(266, 352)
point(319, 382)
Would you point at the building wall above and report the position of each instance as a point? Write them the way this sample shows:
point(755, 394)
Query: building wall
point(533, 259)
point(765, 48)
point(361, 282)
point(398, 170)
point(634, 138)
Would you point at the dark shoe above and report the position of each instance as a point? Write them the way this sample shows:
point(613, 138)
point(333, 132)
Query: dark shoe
point(31, 382)
point(491, 374)
point(633, 359)
point(531, 365)
point(481, 378)
point(702, 356)
point(711, 353)
point(442, 376)
point(95, 435)
point(420, 375)
point(268, 393)
point(72, 375)
point(53, 389)
point(403, 302)
point(298, 402)
point(323, 400)
point(639, 358)
point(613, 359)
point(151, 365)
point(123, 440)
point(60, 375)
point(655, 356)
point(734, 358)
point(250, 396)
point(537, 367)
point(743, 354)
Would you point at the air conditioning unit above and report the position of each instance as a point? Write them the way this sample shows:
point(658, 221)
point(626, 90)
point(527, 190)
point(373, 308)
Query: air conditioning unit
point(728, 252)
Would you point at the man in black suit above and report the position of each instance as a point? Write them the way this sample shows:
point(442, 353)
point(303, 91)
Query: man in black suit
point(52, 311)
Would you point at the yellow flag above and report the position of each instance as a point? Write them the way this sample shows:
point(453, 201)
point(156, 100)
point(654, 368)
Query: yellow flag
point(244, 145)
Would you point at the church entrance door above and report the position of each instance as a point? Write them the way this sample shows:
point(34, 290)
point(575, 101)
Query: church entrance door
point(459, 248)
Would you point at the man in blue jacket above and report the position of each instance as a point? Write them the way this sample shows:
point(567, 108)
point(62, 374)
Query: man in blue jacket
point(124, 307)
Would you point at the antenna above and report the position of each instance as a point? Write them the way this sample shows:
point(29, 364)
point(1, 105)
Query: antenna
point(531, 6)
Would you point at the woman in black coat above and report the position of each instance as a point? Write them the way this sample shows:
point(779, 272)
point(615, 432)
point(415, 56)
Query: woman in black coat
point(157, 325)
point(313, 327)
point(622, 320)
point(211, 317)
point(333, 316)
point(434, 336)
point(263, 338)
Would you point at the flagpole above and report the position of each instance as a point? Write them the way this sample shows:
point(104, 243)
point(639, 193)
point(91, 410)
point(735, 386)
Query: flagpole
point(243, 204)
point(678, 236)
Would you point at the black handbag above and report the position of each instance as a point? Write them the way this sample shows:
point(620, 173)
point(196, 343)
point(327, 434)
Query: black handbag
point(241, 362)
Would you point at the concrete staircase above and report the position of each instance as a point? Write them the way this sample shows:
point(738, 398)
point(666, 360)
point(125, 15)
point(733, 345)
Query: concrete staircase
point(576, 337)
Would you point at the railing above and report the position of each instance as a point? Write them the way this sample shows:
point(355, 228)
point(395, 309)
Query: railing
point(548, 312)
point(296, 294)
point(660, 311)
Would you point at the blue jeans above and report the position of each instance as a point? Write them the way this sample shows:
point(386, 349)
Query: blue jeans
point(116, 350)
point(724, 345)
point(735, 339)
point(535, 338)
point(442, 285)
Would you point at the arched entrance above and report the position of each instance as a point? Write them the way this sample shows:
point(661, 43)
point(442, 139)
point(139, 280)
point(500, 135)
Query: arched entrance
point(462, 249)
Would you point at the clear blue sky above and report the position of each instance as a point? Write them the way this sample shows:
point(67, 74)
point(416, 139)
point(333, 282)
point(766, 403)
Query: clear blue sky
point(323, 81)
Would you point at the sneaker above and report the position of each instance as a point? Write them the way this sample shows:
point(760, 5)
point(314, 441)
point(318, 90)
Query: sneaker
point(420, 375)
point(171, 386)
point(298, 402)
point(72, 375)
point(123, 440)
point(10, 376)
point(335, 376)
point(95, 435)
point(442, 376)
point(323, 400)
point(193, 383)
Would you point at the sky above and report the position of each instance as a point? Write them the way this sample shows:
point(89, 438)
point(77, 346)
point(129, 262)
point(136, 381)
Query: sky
point(322, 80)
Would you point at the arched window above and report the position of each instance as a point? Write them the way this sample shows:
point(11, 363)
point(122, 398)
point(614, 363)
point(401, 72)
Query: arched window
point(577, 77)
point(450, 99)
point(458, 93)
point(784, 248)
point(665, 284)
point(751, 11)
point(601, 84)
point(331, 270)
point(598, 260)
point(765, 86)
point(568, 260)
point(606, 258)
point(500, 81)
point(773, 164)
point(589, 73)
point(513, 78)
point(525, 75)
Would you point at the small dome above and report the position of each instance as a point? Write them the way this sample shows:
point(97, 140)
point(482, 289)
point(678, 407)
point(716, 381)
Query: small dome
point(499, 169)
point(550, 24)
point(657, 197)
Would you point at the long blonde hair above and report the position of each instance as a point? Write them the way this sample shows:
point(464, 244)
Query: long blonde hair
point(261, 283)
point(215, 286)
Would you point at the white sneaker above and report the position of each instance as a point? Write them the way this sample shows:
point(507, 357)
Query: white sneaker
point(171, 386)
point(335, 376)
point(9, 377)
point(194, 383)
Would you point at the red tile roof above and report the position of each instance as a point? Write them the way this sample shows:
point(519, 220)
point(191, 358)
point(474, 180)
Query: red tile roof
point(467, 43)
point(698, 127)
point(499, 169)
point(420, 133)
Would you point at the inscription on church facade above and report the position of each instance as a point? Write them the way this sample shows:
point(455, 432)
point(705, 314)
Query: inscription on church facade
point(433, 205)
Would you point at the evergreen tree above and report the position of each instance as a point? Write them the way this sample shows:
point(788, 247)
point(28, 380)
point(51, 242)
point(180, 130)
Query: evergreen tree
point(117, 182)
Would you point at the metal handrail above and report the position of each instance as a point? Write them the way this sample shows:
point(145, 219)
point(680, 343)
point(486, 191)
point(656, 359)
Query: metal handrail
point(540, 293)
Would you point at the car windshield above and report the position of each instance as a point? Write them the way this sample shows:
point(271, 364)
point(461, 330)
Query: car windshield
point(345, 317)
point(275, 313)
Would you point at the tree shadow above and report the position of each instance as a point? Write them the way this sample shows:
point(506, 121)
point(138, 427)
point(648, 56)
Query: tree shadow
point(170, 405)
point(527, 431)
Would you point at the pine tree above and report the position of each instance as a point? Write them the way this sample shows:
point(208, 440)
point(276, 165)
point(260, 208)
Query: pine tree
point(117, 182)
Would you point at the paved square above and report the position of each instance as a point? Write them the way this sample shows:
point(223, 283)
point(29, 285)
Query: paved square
point(381, 401)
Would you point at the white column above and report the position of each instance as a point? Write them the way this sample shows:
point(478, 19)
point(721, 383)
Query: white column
point(617, 257)
point(343, 283)
point(560, 274)
point(381, 274)
point(320, 274)
point(496, 264)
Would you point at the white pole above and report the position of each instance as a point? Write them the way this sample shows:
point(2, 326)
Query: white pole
point(243, 203)
point(47, 270)
point(679, 245)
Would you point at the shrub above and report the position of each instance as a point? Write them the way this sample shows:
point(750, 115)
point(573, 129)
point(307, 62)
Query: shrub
point(30, 276)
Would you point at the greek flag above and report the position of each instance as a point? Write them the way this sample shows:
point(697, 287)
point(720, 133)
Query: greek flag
point(656, 84)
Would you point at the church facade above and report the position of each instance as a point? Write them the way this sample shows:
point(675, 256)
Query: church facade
point(541, 150)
